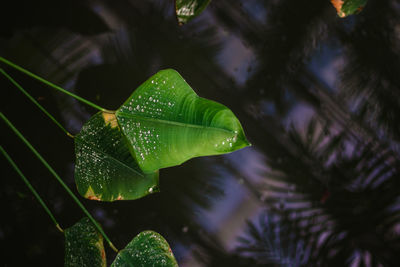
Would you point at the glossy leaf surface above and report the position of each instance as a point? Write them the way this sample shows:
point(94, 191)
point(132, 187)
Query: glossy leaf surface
point(189, 9)
point(348, 7)
point(166, 123)
point(105, 168)
point(147, 249)
point(84, 245)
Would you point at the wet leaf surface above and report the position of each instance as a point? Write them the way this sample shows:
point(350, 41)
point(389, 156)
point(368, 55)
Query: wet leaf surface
point(145, 250)
point(84, 245)
point(105, 169)
point(186, 10)
point(167, 123)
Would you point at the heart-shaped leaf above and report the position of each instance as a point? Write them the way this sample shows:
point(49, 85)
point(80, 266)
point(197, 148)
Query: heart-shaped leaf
point(186, 10)
point(162, 124)
point(105, 169)
point(84, 245)
point(166, 123)
point(345, 8)
point(147, 249)
point(84, 248)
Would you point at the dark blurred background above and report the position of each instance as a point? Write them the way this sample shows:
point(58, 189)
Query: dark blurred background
point(318, 97)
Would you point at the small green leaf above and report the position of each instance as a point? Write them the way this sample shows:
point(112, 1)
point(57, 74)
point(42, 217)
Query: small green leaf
point(186, 10)
point(147, 249)
point(166, 123)
point(348, 7)
point(353, 6)
point(105, 169)
point(84, 245)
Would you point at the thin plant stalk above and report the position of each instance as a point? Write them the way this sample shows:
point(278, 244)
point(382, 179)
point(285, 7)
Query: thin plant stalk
point(51, 170)
point(29, 185)
point(52, 85)
point(35, 102)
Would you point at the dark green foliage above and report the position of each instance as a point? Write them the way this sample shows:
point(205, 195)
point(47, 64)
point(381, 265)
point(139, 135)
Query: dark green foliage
point(147, 249)
point(105, 169)
point(84, 245)
point(84, 248)
point(351, 7)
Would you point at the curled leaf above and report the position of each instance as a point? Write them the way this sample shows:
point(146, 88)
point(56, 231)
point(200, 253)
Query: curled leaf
point(167, 123)
point(162, 124)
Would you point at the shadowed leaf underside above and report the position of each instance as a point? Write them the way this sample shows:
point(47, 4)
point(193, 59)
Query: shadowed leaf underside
point(105, 168)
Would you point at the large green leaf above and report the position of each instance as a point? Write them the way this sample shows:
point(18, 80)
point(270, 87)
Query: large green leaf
point(348, 7)
point(166, 123)
point(84, 245)
point(188, 9)
point(147, 249)
point(105, 169)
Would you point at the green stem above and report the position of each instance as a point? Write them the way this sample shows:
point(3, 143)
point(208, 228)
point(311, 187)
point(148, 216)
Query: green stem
point(4, 118)
point(35, 102)
point(87, 102)
point(29, 185)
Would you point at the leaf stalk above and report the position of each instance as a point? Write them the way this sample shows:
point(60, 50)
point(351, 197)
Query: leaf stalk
point(35, 102)
point(58, 178)
point(52, 85)
point(31, 188)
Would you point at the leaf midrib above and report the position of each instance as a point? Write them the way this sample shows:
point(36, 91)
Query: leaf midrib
point(175, 123)
point(111, 157)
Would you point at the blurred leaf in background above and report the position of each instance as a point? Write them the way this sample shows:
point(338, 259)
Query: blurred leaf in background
point(345, 8)
point(186, 10)
point(74, 15)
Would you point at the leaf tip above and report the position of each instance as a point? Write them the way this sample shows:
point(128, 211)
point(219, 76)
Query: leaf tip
point(245, 143)
point(169, 71)
point(153, 189)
